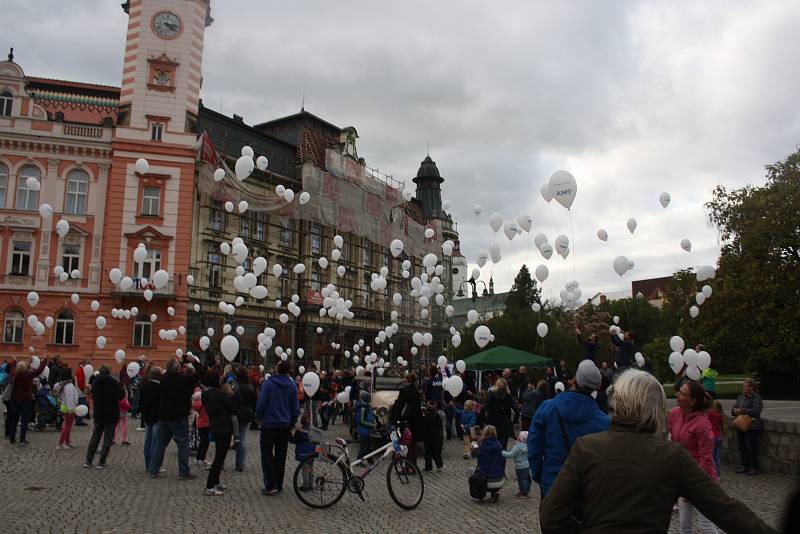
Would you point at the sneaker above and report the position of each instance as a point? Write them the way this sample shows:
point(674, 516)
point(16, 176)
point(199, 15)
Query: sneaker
point(60, 447)
point(68, 446)
point(162, 470)
point(222, 487)
point(87, 466)
point(187, 476)
point(153, 475)
point(270, 492)
point(126, 443)
point(101, 466)
point(213, 491)
point(140, 429)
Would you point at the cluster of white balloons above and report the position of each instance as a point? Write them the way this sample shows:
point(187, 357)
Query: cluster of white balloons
point(692, 361)
point(700, 298)
point(334, 305)
point(63, 275)
point(545, 248)
point(571, 294)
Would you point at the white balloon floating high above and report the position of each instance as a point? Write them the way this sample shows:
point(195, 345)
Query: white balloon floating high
point(631, 224)
point(525, 222)
point(621, 265)
point(664, 199)
point(542, 329)
point(686, 245)
point(33, 298)
point(676, 362)
point(62, 228)
point(482, 336)
point(563, 187)
point(304, 198)
point(542, 272)
point(244, 167)
point(46, 211)
point(495, 221)
point(602, 235)
point(262, 163)
point(429, 233)
point(219, 175)
point(547, 195)
point(396, 247)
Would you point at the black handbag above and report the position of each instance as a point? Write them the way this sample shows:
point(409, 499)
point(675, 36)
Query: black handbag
point(478, 485)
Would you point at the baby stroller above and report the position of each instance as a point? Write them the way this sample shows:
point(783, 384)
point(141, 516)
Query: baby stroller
point(47, 412)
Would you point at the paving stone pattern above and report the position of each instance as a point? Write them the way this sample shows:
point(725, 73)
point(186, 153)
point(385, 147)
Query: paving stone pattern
point(45, 490)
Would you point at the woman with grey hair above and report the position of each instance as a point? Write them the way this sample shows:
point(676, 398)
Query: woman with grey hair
point(633, 466)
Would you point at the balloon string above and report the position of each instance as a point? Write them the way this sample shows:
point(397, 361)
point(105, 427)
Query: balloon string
point(572, 237)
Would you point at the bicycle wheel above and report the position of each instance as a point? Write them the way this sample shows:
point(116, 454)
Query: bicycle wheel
point(405, 483)
point(324, 483)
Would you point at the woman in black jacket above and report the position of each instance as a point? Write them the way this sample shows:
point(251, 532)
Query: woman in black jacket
point(498, 411)
point(245, 400)
point(408, 408)
point(219, 405)
point(106, 394)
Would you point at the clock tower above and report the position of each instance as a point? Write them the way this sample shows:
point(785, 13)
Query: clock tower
point(157, 121)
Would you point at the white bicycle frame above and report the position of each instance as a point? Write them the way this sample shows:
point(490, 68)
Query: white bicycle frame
point(384, 451)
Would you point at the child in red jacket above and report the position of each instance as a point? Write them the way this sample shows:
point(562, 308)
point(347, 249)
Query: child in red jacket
point(718, 426)
point(122, 423)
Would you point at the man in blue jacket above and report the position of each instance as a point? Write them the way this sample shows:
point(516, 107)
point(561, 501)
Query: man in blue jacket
point(277, 409)
point(560, 421)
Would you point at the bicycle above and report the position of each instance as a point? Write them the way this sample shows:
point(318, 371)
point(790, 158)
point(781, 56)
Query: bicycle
point(331, 475)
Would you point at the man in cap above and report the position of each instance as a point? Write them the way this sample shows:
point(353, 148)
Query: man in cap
point(560, 421)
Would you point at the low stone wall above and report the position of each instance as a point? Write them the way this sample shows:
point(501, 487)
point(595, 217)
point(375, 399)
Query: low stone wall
point(778, 447)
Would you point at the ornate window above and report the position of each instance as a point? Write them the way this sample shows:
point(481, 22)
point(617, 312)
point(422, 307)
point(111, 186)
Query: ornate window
point(216, 220)
point(27, 199)
point(142, 330)
point(214, 268)
point(70, 257)
point(77, 192)
point(14, 326)
point(151, 201)
point(3, 184)
point(286, 235)
point(65, 328)
point(21, 257)
point(6, 101)
point(316, 240)
point(150, 264)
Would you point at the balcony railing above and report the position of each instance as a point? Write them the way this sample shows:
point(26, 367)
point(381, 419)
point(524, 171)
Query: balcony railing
point(16, 279)
point(80, 130)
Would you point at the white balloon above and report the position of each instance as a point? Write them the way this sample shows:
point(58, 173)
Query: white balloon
point(33, 298)
point(563, 187)
point(229, 346)
point(631, 225)
point(705, 272)
point(62, 228)
point(542, 273)
point(132, 369)
point(456, 340)
point(304, 197)
point(243, 205)
point(310, 383)
point(429, 233)
point(691, 357)
point(703, 360)
point(341, 270)
point(639, 359)
point(664, 199)
point(140, 254)
point(676, 343)
point(299, 268)
point(686, 245)
point(46, 211)
point(525, 222)
point(288, 195)
point(283, 318)
point(262, 163)
point(229, 206)
point(547, 195)
point(75, 298)
point(396, 247)
point(49, 322)
point(676, 362)
point(454, 385)
point(160, 279)
point(323, 262)
point(621, 264)
point(33, 183)
point(205, 342)
point(495, 221)
point(694, 311)
point(707, 291)
point(693, 372)
point(244, 166)
point(119, 355)
point(100, 322)
point(219, 175)
point(142, 166)
point(482, 336)
point(338, 241)
point(259, 292)
point(536, 307)
point(700, 298)
point(546, 251)
point(602, 235)
point(477, 210)
point(148, 295)
point(542, 329)
point(472, 316)
point(126, 283)
point(482, 258)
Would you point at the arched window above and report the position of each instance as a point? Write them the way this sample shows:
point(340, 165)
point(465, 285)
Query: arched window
point(65, 328)
point(6, 101)
point(77, 192)
point(28, 199)
point(142, 330)
point(3, 184)
point(13, 327)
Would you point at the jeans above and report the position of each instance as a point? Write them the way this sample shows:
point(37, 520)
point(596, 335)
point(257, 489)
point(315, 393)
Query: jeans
point(686, 514)
point(150, 433)
point(21, 413)
point(222, 441)
point(274, 443)
point(177, 430)
point(69, 419)
point(106, 430)
point(748, 448)
point(524, 480)
point(717, 454)
point(241, 448)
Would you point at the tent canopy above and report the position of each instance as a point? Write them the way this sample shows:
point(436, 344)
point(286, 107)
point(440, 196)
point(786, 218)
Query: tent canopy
point(502, 356)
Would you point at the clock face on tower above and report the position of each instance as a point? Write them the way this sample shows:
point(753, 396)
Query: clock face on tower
point(167, 25)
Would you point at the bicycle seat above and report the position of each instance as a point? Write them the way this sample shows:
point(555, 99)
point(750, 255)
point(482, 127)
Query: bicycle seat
point(341, 441)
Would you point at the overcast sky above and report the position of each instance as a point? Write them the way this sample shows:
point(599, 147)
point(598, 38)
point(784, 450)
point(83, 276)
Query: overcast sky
point(633, 98)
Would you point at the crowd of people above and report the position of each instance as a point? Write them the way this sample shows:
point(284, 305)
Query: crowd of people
point(583, 437)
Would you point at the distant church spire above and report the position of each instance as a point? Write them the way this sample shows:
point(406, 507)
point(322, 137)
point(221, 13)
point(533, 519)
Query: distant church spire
point(11, 54)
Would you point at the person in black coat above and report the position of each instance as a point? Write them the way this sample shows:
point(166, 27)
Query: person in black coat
point(591, 346)
point(220, 407)
point(174, 404)
point(149, 394)
point(106, 394)
point(498, 411)
point(408, 408)
point(625, 354)
point(432, 436)
point(245, 399)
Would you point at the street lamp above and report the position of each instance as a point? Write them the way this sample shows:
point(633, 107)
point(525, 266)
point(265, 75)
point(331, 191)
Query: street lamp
point(474, 285)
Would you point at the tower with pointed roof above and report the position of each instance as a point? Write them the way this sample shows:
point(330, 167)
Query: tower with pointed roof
point(429, 189)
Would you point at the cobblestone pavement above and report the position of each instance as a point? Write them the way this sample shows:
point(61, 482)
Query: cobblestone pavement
point(47, 490)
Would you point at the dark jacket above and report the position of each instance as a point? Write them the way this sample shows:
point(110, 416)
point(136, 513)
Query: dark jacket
point(220, 409)
point(546, 447)
point(149, 394)
point(277, 403)
point(432, 429)
point(591, 348)
point(751, 406)
point(106, 394)
point(408, 408)
point(531, 400)
point(23, 382)
point(245, 400)
point(642, 486)
point(625, 354)
point(304, 447)
point(490, 459)
point(433, 389)
point(498, 413)
point(175, 401)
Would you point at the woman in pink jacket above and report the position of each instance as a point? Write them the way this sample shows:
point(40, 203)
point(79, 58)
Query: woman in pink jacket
point(689, 425)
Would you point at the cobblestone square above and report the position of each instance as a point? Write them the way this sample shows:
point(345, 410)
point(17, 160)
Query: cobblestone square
point(47, 491)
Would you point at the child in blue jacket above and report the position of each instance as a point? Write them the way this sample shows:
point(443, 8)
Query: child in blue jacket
point(365, 422)
point(469, 426)
point(304, 449)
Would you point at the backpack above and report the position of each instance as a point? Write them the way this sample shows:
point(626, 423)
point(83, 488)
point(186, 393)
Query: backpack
point(478, 485)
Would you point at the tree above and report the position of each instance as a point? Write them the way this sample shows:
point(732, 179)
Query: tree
point(757, 286)
point(524, 292)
